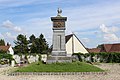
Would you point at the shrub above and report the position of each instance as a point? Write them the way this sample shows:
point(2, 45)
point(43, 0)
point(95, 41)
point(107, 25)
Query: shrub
point(112, 57)
point(6, 57)
point(39, 59)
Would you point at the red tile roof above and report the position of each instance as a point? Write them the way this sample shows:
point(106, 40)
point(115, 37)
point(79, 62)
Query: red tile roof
point(4, 48)
point(111, 47)
point(94, 50)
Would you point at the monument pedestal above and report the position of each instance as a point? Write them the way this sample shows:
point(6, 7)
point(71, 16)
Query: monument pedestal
point(58, 56)
point(58, 53)
point(60, 59)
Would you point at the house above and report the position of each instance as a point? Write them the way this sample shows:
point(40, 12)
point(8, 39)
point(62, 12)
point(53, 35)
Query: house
point(74, 45)
point(94, 50)
point(110, 47)
point(7, 49)
point(106, 48)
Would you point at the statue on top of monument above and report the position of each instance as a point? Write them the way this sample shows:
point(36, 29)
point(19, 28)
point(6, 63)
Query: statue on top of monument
point(59, 12)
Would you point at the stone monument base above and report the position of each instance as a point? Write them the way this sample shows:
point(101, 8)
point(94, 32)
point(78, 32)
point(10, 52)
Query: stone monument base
point(60, 59)
point(59, 53)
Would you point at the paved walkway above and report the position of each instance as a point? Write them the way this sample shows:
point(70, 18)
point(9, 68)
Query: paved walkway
point(113, 74)
point(4, 70)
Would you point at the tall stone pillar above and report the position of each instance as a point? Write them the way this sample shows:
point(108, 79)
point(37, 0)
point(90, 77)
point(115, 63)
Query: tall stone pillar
point(59, 50)
point(59, 36)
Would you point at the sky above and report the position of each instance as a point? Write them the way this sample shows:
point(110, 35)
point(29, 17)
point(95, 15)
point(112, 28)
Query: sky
point(93, 21)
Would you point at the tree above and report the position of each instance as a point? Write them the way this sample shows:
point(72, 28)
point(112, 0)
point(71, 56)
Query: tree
point(2, 42)
point(33, 45)
point(43, 45)
point(8, 44)
point(38, 45)
point(100, 46)
point(21, 44)
point(32, 38)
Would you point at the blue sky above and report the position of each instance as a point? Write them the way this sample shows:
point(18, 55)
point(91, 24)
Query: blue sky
point(93, 21)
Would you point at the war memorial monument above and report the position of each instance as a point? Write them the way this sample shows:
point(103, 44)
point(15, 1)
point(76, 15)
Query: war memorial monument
point(58, 53)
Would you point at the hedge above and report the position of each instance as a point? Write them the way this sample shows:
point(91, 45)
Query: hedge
point(104, 57)
point(5, 56)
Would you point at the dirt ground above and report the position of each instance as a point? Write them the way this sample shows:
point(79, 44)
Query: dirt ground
point(113, 73)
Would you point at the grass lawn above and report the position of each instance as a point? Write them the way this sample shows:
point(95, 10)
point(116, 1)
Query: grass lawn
point(60, 67)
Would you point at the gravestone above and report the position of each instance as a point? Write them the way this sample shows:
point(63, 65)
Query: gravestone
point(12, 63)
point(59, 50)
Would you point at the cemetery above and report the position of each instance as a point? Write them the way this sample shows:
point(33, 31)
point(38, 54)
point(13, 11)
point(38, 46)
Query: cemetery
point(66, 56)
point(67, 53)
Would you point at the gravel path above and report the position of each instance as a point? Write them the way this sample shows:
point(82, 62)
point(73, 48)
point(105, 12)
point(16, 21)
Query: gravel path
point(112, 69)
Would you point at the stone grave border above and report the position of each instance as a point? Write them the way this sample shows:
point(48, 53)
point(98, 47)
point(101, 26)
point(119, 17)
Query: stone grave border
point(56, 73)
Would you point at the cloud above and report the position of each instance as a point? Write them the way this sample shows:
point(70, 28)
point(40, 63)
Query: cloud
point(8, 35)
point(83, 16)
point(109, 33)
point(108, 30)
point(1, 36)
point(8, 24)
point(38, 26)
point(86, 40)
point(17, 29)
point(17, 3)
point(91, 16)
point(14, 3)
point(111, 38)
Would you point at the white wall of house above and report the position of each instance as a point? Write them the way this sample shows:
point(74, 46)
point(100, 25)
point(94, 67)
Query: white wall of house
point(75, 46)
point(78, 47)
point(10, 50)
point(69, 47)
